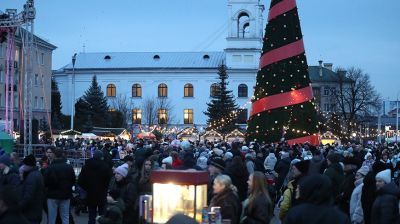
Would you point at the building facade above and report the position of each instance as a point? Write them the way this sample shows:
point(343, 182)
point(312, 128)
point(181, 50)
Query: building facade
point(41, 80)
point(184, 80)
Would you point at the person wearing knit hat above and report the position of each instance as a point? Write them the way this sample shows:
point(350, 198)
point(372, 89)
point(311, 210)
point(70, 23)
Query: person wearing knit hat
point(216, 167)
point(385, 208)
point(368, 160)
point(121, 170)
point(356, 210)
point(299, 171)
point(29, 160)
point(218, 163)
point(382, 178)
point(335, 173)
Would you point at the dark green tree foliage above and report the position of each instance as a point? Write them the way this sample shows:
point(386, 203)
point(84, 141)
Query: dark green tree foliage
point(220, 109)
point(56, 115)
point(116, 119)
point(83, 116)
point(43, 126)
point(289, 74)
point(97, 103)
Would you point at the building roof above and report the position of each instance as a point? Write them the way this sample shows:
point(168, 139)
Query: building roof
point(143, 60)
point(37, 40)
point(327, 74)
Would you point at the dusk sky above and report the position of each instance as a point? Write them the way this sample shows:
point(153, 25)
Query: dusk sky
point(360, 33)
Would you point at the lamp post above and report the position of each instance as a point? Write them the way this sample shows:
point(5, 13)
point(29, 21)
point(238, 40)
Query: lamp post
point(397, 116)
point(73, 92)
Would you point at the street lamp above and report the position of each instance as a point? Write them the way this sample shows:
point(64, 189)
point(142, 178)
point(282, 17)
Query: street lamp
point(73, 92)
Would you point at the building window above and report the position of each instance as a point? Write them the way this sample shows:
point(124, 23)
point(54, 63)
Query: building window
point(333, 107)
point(36, 79)
point(242, 116)
point(326, 107)
point(111, 90)
point(111, 109)
point(1, 50)
point(36, 102)
point(136, 116)
point(2, 78)
point(162, 116)
point(188, 116)
point(16, 102)
point(242, 90)
point(136, 90)
point(188, 90)
point(1, 100)
point(326, 91)
point(41, 103)
point(42, 80)
point(333, 91)
point(162, 90)
point(214, 89)
point(42, 58)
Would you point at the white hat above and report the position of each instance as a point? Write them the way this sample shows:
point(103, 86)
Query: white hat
point(123, 171)
point(385, 175)
point(167, 160)
point(245, 148)
point(367, 155)
point(218, 152)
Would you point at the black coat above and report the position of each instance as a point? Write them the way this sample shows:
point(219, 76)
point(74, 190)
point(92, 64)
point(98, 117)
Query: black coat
point(10, 217)
point(282, 168)
point(129, 194)
point(229, 203)
point(239, 176)
point(32, 195)
point(368, 195)
point(261, 212)
point(315, 214)
point(385, 209)
point(94, 179)
point(59, 179)
point(336, 175)
point(9, 177)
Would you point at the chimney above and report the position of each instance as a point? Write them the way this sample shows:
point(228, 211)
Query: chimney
point(320, 67)
point(328, 66)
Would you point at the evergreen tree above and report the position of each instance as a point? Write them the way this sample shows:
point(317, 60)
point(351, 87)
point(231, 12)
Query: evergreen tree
point(82, 116)
point(220, 109)
point(56, 115)
point(43, 126)
point(283, 103)
point(96, 104)
point(334, 125)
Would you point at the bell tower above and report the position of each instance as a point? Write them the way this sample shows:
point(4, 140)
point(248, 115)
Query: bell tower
point(245, 33)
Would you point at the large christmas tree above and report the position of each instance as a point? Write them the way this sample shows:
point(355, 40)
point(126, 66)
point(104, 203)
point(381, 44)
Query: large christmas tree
point(282, 105)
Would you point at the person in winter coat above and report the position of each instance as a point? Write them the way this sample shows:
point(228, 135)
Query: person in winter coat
point(144, 186)
point(343, 200)
point(356, 212)
point(9, 211)
point(250, 157)
point(282, 169)
point(94, 179)
point(239, 175)
point(317, 204)
point(114, 210)
point(368, 194)
point(59, 179)
point(215, 168)
point(270, 161)
point(258, 207)
point(317, 163)
point(368, 160)
point(7, 176)
point(32, 190)
point(225, 196)
point(386, 206)
point(129, 194)
point(335, 173)
point(299, 170)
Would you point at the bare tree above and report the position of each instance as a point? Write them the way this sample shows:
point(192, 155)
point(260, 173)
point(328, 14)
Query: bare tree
point(151, 108)
point(356, 96)
point(122, 104)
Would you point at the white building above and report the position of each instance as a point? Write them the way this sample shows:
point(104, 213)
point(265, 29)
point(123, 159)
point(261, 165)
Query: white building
point(185, 79)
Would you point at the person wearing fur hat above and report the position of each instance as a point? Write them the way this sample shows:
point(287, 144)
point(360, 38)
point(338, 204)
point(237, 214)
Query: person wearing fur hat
point(299, 170)
point(356, 211)
point(129, 193)
point(216, 167)
point(8, 177)
point(368, 160)
point(335, 173)
point(32, 190)
point(386, 206)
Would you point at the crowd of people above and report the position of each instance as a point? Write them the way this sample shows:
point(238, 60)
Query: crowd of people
point(251, 182)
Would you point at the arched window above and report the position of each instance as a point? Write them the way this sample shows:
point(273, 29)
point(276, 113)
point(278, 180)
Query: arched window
point(111, 90)
point(214, 89)
point(162, 116)
point(162, 90)
point(136, 90)
point(188, 90)
point(242, 90)
point(243, 25)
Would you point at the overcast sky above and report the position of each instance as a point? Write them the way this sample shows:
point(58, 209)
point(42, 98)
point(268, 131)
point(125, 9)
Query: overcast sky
point(360, 33)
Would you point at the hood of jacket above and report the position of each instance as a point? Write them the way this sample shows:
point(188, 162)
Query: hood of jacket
point(390, 188)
